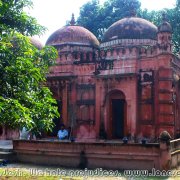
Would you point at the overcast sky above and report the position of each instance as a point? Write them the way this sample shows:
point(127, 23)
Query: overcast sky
point(53, 14)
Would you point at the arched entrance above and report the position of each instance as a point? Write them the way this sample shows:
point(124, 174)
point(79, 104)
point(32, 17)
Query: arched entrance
point(117, 115)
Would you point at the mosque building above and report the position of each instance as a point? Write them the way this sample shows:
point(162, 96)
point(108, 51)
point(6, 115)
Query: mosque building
point(127, 85)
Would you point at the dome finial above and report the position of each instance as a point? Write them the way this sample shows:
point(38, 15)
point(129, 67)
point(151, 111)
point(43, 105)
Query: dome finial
point(164, 17)
point(72, 22)
point(133, 12)
point(165, 26)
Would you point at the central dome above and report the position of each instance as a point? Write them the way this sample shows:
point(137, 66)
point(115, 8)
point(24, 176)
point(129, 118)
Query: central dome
point(131, 28)
point(73, 35)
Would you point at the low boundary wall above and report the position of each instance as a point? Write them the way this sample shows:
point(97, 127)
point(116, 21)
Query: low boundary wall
point(107, 155)
point(175, 153)
point(91, 155)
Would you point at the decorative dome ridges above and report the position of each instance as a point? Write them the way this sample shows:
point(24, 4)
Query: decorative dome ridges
point(73, 35)
point(131, 28)
point(165, 27)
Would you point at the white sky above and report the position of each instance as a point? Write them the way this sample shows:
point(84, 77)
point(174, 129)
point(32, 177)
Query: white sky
point(53, 14)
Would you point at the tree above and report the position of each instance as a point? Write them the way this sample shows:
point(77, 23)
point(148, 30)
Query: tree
point(13, 17)
point(174, 19)
point(90, 16)
point(153, 16)
point(97, 18)
point(25, 101)
point(118, 9)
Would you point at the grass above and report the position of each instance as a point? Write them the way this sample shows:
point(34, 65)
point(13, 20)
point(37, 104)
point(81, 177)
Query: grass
point(24, 174)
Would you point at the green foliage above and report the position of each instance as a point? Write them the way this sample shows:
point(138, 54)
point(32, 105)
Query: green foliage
point(118, 9)
point(174, 19)
point(97, 18)
point(25, 101)
point(13, 17)
point(153, 16)
point(90, 16)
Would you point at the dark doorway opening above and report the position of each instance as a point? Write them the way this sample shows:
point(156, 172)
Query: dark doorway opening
point(118, 118)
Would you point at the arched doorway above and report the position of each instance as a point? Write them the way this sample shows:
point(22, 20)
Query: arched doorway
point(117, 115)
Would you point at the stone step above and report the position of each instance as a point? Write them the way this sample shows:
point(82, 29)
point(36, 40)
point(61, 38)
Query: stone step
point(6, 149)
point(5, 142)
point(8, 156)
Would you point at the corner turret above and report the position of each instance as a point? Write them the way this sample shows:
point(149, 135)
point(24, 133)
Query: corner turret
point(164, 35)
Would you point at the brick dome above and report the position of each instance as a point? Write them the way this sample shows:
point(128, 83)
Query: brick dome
point(165, 27)
point(73, 35)
point(36, 42)
point(131, 28)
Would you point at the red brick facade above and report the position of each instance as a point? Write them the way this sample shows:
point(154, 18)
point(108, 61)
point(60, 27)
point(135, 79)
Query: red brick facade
point(121, 87)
